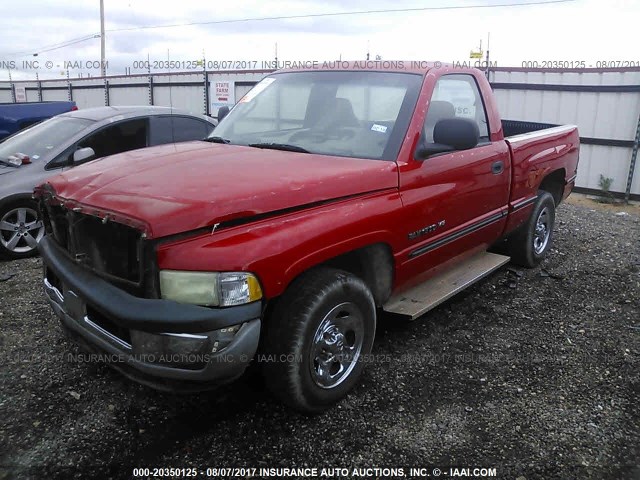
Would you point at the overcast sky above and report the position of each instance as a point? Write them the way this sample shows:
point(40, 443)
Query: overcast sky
point(589, 30)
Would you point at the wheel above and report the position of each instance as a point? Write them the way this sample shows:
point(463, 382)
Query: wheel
point(20, 230)
point(532, 241)
point(316, 338)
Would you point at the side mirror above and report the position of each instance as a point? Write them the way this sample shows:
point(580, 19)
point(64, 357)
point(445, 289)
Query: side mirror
point(83, 154)
point(222, 112)
point(458, 133)
point(451, 134)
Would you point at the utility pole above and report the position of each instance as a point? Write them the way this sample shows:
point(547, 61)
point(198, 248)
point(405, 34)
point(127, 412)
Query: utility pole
point(103, 68)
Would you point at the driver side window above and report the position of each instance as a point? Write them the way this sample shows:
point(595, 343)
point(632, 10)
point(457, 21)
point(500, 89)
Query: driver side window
point(456, 96)
point(121, 137)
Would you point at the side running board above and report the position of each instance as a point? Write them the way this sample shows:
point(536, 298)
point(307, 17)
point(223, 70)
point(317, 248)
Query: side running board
point(422, 298)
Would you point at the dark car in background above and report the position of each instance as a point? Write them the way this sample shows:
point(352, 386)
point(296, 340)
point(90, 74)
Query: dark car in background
point(29, 157)
point(16, 116)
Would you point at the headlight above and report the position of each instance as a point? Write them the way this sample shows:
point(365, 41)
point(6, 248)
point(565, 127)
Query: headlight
point(211, 289)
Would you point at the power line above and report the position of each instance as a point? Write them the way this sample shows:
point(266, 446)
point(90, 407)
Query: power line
point(95, 35)
point(337, 14)
point(55, 46)
point(48, 48)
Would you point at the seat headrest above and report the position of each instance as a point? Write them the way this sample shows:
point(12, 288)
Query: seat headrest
point(344, 112)
point(439, 109)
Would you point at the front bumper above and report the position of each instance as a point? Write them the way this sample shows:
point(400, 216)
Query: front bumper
point(100, 318)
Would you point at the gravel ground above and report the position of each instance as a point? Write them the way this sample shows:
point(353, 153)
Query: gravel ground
point(532, 372)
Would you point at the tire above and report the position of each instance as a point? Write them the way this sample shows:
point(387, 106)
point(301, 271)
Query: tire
point(21, 229)
point(325, 312)
point(531, 243)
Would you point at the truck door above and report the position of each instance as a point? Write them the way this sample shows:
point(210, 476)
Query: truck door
point(455, 203)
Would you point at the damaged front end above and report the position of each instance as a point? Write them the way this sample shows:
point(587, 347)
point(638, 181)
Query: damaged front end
point(102, 281)
point(109, 245)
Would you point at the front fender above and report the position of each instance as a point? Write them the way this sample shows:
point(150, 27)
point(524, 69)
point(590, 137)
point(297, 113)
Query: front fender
point(278, 249)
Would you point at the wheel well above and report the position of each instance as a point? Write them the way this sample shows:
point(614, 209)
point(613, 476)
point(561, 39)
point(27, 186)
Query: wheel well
point(554, 184)
point(373, 264)
point(15, 200)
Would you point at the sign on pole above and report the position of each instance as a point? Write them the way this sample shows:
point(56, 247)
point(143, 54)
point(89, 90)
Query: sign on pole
point(21, 94)
point(223, 93)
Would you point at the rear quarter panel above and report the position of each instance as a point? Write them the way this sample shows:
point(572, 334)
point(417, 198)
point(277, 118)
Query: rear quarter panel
point(534, 156)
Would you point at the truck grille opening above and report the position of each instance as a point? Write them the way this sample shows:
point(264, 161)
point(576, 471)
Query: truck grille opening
point(112, 250)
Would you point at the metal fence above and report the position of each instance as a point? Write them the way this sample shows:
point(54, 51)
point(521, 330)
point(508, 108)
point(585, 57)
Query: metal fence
point(603, 103)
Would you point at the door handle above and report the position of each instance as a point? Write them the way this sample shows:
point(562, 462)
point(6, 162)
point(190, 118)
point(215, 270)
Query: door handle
point(497, 167)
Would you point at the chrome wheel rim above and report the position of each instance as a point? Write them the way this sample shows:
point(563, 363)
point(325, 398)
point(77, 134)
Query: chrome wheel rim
point(21, 230)
point(337, 344)
point(542, 232)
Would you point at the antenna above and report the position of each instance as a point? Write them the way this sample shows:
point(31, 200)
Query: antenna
point(103, 67)
point(367, 49)
point(276, 65)
point(173, 137)
point(150, 79)
point(487, 58)
point(170, 83)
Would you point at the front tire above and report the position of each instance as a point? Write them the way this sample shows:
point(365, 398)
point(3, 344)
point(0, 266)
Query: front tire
point(21, 229)
point(531, 243)
point(316, 338)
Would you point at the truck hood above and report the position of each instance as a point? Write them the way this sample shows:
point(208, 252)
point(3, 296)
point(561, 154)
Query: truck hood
point(177, 188)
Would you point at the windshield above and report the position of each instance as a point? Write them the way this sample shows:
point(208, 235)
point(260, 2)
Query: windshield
point(353, 114)
point(37, 141)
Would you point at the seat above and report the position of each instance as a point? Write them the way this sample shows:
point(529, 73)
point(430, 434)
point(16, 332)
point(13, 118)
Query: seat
point(438, 110)
point(339, 113)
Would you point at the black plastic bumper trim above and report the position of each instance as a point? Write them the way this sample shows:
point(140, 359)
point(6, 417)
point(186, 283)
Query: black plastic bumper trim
point(150, 315)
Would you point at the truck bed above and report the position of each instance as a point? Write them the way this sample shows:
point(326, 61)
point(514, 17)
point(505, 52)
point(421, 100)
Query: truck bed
point(538, 149)
point(511, 128)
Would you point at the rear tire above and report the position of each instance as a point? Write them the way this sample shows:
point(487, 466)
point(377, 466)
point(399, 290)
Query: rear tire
point(316, 338)
point(531, 243)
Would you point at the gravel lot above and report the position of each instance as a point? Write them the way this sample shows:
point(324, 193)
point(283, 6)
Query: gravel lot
point(533, 372)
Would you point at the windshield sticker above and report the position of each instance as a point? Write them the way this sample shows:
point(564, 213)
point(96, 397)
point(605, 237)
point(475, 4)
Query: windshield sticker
point(255, 91)
point(378, 128)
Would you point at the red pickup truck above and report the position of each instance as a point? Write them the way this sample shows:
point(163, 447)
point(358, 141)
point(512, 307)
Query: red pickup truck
point(323, 199)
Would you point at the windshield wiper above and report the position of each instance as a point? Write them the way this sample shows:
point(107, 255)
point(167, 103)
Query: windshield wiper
point(217, 140)
point(7, 163)
point(280, 146)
